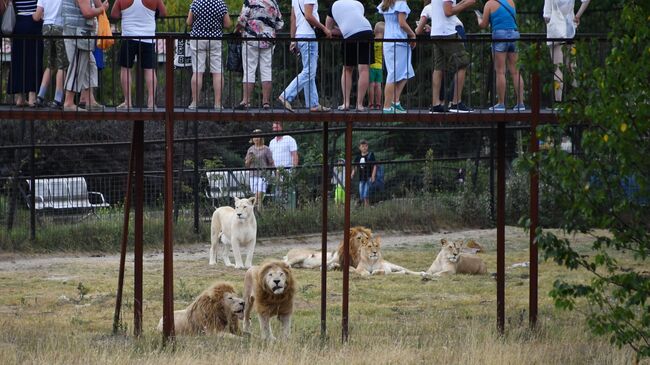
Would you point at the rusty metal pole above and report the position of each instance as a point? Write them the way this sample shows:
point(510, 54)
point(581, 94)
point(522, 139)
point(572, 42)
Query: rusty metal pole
point(501, 224)
point(346, 232)
point(138, 135)
point(168, 264)
point(125, 239)
point(534, 197)
point(325, 200)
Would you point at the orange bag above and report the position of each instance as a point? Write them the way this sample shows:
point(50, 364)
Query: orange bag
point(104, 30)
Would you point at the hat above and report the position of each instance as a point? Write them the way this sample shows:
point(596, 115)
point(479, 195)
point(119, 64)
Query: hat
point(256, 132)
point(363, 141)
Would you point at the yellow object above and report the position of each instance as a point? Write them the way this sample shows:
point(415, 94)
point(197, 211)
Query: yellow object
point(104, 30)
point(339, 194)
point(377, 65)
point(623, 127)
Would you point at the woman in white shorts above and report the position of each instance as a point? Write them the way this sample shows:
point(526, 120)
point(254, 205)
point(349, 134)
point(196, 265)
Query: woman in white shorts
point(259, 158)
point(207, 19)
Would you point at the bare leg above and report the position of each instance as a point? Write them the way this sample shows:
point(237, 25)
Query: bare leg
point(436, 79)
point(459, 80)
point(248, 90)
point(196, 85)
point(362, 84)
point(346, 84)
point(125, 78)
point(557, 55)
point(516, 77)
point(217, 83)
point(371, 94)
point(378, 93)
point(150, 80)
point(389, 92)
point(399, 87)
point(500, 70)
point(267, 87)
point(60, 76)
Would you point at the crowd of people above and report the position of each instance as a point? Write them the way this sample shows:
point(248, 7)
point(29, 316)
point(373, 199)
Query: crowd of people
point(74, 65)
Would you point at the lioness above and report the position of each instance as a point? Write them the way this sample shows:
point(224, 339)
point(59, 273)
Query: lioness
point(235, 227)
point(309, 259)
point(216, 309)
point(358, 236)
point(270, 289)
point(451, 261)
point(372, 263)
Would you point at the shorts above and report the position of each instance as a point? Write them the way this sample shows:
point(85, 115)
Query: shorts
point(130, 48)
point(204, 50)
point(509, 46)
point(358, 49)
point(258, 184)
point(54, 56)
point(252, 55)
point(449, 56)
point(376, 75)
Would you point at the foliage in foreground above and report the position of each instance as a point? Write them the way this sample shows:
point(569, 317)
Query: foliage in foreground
point(607, 185)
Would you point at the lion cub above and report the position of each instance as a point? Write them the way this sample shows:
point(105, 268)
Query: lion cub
point(372, 263)
point(451, 261)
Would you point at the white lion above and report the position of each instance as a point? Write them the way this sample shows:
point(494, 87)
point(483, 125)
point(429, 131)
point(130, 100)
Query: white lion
point(310, 259)
point(451, 261)
point(235, 227)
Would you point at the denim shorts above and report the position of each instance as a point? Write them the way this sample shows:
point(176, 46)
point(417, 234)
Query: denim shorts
point(364, 189)
point(510, 35)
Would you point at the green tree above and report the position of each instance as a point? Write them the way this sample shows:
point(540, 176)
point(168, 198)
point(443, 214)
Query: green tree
point(605, 189)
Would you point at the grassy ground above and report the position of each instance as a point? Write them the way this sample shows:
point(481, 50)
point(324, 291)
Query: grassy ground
point(44, 318)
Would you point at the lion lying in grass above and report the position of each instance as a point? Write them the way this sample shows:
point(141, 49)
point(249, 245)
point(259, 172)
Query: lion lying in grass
point(310, 259)
point(372, 263)
point(358, 237)
point(451, 261)
point(215, 310)
point(270, 289)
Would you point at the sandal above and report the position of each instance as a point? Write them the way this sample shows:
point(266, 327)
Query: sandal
point(319, 108)
point(343, 108)
point(122, 106)
point(285, 103)
point(242, 106)
point(266, 106)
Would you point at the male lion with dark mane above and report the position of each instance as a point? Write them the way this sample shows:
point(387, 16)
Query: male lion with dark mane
point(358, 236)
point(270, 289)
point(217, 309)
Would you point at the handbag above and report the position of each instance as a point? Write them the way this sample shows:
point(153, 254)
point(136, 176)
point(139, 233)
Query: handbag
point(234, 61)
point(182, 53)
point(319, 32)
point(559, 25)
point(104, 30)
point(9, 19)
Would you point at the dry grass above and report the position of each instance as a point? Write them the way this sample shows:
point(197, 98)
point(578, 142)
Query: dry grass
point(393, 320)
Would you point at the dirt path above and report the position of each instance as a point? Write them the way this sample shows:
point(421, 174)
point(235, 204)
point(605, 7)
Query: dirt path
point(265, 247)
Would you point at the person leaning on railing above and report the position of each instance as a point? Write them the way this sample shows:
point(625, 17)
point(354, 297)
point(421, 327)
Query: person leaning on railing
point(258, 21)
point(26, 55)
point(79, 19)
point(207, 18)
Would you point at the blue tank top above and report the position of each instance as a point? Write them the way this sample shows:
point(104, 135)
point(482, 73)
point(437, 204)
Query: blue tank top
point(501, 18)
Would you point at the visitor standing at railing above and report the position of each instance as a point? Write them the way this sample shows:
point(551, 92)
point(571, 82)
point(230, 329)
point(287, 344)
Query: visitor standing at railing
point(258, 157)
point(26, 55)
point(501, 15)
point(345, 19)
point(561, 22)
point(397, 54)
point(54, 57)
point(138, 20)
point(365, 164)
point(207, 18)
point(448, 54)
point(259, 19)
point(304, 23)
point(377, 69)
point(284, 150)
point(79, 19)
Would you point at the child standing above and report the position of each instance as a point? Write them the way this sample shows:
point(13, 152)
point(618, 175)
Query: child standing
point(56, 60)
point(376, 69)
point(397, 55)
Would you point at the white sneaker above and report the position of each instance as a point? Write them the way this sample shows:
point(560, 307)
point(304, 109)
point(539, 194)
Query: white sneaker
point(192, 106)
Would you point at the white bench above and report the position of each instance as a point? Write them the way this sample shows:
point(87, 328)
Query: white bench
point(68, 193)
point(227, 184)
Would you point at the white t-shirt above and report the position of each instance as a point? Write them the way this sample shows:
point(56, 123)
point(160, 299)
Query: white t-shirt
point(348, 15)
point(426, 13)
point(281, 150)
point(303, 28)
point(442, 25)
point(51, 12)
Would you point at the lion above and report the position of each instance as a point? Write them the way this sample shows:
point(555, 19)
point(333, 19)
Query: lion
point(216, 309)
point(310, 259)
point(372, 263)
point(269, 288)
point(358, 236)
point(451, 261)
point(235, 227)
